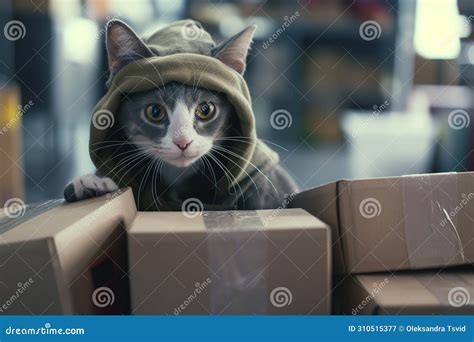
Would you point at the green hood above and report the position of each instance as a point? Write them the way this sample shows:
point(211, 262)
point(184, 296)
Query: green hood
point(188, 62)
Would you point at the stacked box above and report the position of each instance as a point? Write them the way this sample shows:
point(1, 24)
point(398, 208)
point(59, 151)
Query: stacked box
point(408, 293)
point(388, 225)
point(58, 258)
point(232, 262)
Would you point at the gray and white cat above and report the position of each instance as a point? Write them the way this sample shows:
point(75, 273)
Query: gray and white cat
point(180, 136)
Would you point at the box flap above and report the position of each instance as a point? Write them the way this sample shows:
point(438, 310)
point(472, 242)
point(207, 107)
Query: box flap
point(423, 292)
point(89, 236)
point(177, 222)
point(59, 217)
point(322, 202)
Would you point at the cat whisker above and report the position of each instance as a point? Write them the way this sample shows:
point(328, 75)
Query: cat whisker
point(149, 166)
point(113, 145)
point(207, 165)
point(243, 170)
point(135, 159)
point(230, 178)
point(242, 139)
point(250, 163)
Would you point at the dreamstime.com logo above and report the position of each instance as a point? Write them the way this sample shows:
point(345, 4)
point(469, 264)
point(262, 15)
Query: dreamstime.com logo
point(103, 119)
point(465, 199)
point(377, 110)
point(14, 208)
point(192, 31)
point(377, 287)
point(192, 207)
point(103, 296)
point(370, 30)
point(109, 21)
point(19, 114)
point(91, 218)
point(21, 288)
point(198, 289)
point(281, 119)
point(459, 119)
point(458, 296)
point(286, 24)
point(281, 296)
point(370, 207)
point(284, 204)
point(14, 30)
point(47, 329)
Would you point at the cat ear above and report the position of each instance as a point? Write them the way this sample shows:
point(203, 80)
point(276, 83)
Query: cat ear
point(123, 46)
point(233, 52)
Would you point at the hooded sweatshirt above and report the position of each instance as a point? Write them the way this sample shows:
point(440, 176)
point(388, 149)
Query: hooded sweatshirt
point(187, 61)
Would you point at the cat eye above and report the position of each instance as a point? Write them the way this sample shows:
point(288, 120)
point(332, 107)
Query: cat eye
point(205, 110)
point(155, 113)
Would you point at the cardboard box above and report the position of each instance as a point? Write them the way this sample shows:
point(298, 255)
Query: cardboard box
point(58, 258)
point(397, 223)
point(408, 293)
point(230, 262)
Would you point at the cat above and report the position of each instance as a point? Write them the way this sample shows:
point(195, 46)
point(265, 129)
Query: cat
point(183, 141)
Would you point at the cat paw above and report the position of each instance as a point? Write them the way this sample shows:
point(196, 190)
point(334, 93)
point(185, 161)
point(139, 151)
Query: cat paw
point(88, 186)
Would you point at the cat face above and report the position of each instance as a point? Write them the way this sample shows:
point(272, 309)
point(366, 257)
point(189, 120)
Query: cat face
point(178, 124)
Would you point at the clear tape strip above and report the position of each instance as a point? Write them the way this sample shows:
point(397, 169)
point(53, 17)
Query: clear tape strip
point(237, 262)
point(26, 213)
point(430, 230)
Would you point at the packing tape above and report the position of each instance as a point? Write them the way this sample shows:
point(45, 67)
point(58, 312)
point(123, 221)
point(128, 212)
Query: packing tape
point(450, 289)
point(430, 231)
point(236, 262)
point(15, 216)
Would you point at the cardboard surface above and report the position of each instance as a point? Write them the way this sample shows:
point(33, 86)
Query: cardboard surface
point(240, 262)
point(397, 223)
point(64, 254)
point(408, 293)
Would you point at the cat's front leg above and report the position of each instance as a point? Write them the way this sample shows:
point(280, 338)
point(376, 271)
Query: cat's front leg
point(88, 186)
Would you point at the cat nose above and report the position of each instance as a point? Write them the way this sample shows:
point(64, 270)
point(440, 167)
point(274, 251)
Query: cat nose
point(182, 145)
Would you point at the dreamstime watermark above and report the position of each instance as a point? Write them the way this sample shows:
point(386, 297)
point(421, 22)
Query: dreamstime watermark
point(281, 296)
point(459, 119)
point(181, 130)
point(370, 30)
point(103, 296)
point(377, 287)
point(103, 119)
point(192, 30)
point(288, 199)
point(192, 207)
point(47, 329)
point(96, 214)
point(465, 199)
point(21, 288)
point(21, 110)
point(286, 24)
point(198, 289)
point(14, 208)
point(370, 207)
point(281, 119)
point(109, 21)
point(458, 296)
point(377, 110)
point(14, 30)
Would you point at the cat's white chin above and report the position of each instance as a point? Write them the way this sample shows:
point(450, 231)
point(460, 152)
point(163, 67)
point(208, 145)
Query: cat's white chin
point(182, 161)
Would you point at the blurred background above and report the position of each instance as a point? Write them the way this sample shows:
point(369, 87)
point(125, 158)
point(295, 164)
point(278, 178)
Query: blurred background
point(341, 89)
